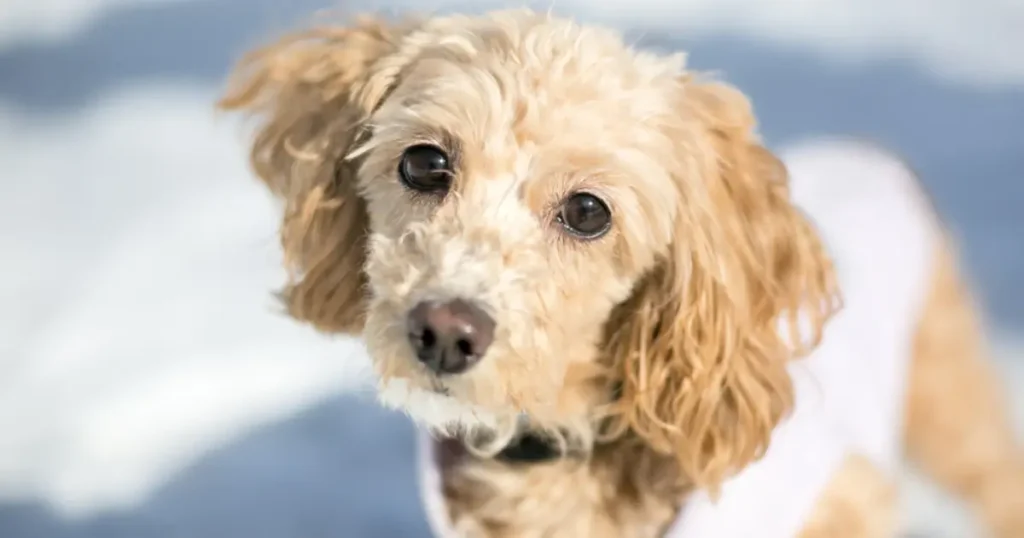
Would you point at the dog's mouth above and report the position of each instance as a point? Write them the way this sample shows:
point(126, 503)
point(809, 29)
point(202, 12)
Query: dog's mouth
point(461, 430)
point(432, 404)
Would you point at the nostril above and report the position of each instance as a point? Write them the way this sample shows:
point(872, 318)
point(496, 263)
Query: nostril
point(428, 338)
point(465, 347)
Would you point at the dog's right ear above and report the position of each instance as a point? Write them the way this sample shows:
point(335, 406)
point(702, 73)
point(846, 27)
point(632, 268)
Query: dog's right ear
point(312, 93)
point(746, 286)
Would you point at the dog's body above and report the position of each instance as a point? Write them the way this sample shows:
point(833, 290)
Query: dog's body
point(895, 267)
point(541, 232)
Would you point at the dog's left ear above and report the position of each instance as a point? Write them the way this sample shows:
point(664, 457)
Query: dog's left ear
point(703, 344)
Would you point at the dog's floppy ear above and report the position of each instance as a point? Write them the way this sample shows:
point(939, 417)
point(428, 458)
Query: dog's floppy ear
point(312, 93)
point(703, 343)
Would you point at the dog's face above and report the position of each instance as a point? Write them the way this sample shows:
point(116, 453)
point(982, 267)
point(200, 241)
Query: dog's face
point(528, 221)
point(521, 179)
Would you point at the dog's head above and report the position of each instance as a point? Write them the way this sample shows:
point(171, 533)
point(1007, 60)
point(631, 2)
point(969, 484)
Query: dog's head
point(529, 221)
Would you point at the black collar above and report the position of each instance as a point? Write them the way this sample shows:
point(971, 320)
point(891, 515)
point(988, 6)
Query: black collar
point(529, 448)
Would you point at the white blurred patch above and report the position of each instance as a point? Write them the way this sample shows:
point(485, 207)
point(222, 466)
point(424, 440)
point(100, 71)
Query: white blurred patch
point(137, 328)
point(52, 20)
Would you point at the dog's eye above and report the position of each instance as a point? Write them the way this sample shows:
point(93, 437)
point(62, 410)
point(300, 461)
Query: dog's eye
point(425, 168)
point(585, 215)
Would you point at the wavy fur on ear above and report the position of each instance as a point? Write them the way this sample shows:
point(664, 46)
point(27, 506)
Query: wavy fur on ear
point(702, 345)
point(313, 92)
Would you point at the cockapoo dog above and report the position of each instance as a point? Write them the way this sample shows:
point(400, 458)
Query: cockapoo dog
point(575, 264)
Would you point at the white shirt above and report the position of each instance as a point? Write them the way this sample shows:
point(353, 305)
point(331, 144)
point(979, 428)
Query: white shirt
point(883, 236)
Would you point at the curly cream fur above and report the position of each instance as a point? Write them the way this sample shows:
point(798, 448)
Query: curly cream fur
point(655, 351)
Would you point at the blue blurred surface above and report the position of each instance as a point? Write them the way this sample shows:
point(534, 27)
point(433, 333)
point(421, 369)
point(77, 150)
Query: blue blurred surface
point(343, 469)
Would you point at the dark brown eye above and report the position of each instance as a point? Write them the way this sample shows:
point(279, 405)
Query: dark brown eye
point(585, 216)
point(425, 168)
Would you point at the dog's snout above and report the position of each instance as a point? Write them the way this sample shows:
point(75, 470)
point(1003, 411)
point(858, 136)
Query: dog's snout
point(450, 337)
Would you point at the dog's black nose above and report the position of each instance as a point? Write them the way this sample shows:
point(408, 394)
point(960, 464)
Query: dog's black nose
point(450, 337)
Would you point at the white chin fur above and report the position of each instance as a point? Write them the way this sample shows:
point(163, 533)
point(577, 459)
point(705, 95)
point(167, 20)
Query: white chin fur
point(437, 412)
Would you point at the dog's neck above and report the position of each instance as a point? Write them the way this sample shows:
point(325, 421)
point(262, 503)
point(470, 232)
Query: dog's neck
point(515, 492)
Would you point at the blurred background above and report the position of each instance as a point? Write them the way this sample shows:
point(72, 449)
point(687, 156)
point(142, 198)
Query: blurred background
point(149, 387)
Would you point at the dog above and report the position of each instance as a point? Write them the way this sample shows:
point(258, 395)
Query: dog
point(613, 310)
